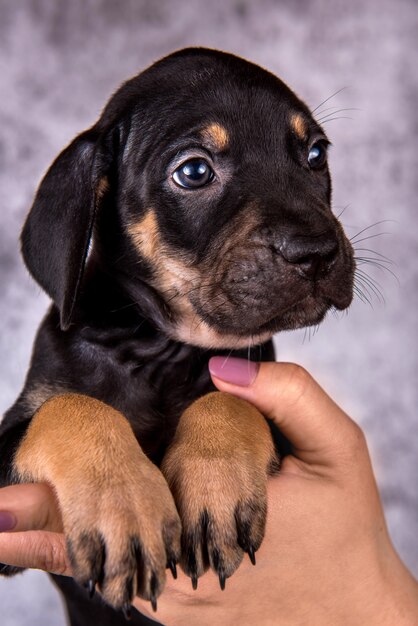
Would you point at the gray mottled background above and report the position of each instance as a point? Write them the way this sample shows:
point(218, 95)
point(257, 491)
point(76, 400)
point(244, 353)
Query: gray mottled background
point(59, 61)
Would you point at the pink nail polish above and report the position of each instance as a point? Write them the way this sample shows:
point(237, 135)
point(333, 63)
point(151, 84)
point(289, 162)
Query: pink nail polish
point(232, 370)
point(7, 521)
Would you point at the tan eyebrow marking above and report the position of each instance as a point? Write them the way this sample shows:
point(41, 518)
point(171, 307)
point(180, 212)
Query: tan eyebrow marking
point(216, 134)
point(299, 125)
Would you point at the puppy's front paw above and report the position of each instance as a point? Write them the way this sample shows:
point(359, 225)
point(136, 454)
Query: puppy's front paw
point(119, 517)
point(217, 470)
point(122, 536)
point(222, 505)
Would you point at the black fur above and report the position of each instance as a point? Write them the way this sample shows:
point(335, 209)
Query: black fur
point(111, 332)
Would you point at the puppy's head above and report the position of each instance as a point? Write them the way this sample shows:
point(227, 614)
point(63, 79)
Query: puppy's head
point(205, 180)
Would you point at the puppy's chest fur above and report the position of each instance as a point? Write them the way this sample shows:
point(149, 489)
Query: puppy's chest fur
point(115, 355)
point(147, 377)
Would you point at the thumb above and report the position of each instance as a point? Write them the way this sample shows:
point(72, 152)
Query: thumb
point(35, 549)
point(286, 393)
point(29, 507)
point(32, 508)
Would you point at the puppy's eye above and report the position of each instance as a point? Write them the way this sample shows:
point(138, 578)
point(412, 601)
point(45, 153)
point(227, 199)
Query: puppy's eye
point(317, 155)
point(193, 174)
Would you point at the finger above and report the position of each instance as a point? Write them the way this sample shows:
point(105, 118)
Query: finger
point(29, 507)
point(36, 550)
point(287, 394)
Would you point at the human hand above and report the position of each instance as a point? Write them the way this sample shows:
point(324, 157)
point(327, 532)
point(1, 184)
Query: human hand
point(326, 558)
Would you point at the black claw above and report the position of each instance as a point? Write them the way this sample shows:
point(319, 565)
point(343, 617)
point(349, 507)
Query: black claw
point(222, 579)
point(91, 587)
point(126, 610)
point(153, 586)
point(129, 588)
point(153, 602)
point(173, 568)
point(251, 554)
point(194, 581)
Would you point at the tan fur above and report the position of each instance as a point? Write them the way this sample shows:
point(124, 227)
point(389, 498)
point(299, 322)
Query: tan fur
point(172, 275)
point(105, 484)
point(298, 123)
point(176, 277)
point(217, 135)
point(102, 189)
point(146, 237)
point(195, 331)
point(218, 462)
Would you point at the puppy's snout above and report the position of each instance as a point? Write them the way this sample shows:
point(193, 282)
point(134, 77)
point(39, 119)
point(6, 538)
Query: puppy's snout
point(313, 255)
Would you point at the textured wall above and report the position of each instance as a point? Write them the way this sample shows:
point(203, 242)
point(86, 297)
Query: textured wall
point(59, 60)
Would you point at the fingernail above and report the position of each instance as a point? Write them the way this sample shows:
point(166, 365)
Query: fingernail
point(232, 370)
point(7, 521)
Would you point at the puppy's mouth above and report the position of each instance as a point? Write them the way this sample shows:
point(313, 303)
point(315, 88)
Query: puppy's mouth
point(252, 319)
point(253, 310)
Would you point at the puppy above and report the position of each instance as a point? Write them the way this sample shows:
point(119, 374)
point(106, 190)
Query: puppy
point(192, 219)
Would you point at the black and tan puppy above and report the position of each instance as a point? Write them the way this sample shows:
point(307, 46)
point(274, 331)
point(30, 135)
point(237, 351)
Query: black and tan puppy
point(193, 218)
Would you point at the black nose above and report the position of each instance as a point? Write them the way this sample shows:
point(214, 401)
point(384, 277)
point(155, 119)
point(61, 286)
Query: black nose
point(314, 255)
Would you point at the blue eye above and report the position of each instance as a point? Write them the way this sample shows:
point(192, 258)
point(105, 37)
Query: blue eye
point(193, 174)
point(317, 155)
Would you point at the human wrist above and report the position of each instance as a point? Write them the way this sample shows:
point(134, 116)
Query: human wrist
point(384, 593)
point(400, 590)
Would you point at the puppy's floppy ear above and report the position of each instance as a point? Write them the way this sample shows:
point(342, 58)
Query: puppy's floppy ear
point(56, 235)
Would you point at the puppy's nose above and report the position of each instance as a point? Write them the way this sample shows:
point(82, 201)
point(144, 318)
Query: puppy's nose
point(314, 255)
